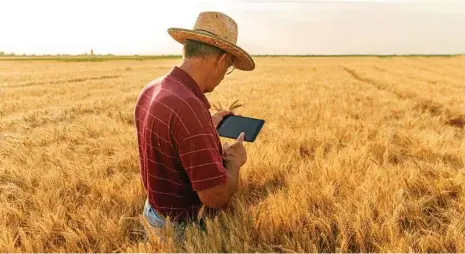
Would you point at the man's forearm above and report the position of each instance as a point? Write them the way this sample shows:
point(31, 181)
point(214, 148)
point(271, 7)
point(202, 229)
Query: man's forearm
point(233, 177)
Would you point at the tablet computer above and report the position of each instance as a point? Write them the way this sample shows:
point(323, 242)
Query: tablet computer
point(232, 126)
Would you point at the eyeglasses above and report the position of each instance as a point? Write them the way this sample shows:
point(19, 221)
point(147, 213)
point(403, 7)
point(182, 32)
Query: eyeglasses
point(230, 68)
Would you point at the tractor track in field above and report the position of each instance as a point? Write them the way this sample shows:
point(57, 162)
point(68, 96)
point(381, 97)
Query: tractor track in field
point(416, 79)
point(402, 76)
point(64, 81)
point(421, 105)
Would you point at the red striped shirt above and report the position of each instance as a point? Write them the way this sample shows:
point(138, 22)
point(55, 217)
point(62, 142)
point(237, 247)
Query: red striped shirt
point(179, 149)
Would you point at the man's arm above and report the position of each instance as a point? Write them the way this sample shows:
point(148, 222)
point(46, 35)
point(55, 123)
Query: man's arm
point(220, 195)
point(235, 157)
point(213, 177)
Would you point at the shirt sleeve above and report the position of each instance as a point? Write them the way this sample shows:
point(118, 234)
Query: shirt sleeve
point(201, 158)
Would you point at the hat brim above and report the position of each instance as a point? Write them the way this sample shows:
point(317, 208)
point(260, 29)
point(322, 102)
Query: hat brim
point(242, 60)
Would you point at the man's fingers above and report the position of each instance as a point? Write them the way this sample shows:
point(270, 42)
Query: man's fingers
point(240, 139)
point(225, 113)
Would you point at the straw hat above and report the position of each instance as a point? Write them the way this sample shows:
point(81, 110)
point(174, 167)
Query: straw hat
point(219, 30)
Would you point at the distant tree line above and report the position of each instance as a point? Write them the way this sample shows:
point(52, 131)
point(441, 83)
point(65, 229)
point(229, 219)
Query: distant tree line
point(2, 53)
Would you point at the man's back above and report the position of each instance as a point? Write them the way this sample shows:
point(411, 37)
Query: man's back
point(180, 152)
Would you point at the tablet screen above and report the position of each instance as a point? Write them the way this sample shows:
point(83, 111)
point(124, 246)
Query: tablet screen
point(232, 126)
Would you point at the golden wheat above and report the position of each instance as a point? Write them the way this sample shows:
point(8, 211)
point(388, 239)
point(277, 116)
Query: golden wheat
point(357, 154)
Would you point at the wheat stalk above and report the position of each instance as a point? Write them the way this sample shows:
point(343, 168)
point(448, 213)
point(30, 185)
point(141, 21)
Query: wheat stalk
point(235, 105)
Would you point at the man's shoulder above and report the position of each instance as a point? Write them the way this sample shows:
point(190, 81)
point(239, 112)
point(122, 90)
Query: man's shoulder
point(176, 105)
point(165, 87)
point(174, 90)
point(170, 93)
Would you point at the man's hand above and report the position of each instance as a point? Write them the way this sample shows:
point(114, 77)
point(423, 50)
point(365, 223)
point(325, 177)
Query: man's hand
point(218, 117)
point(235, 153)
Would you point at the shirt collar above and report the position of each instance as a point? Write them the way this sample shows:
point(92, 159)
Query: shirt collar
point(188, 81)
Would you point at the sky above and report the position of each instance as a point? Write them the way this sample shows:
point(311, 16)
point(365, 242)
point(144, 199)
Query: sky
point(128, 27)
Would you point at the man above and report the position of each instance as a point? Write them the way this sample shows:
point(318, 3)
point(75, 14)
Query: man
point(182, 163)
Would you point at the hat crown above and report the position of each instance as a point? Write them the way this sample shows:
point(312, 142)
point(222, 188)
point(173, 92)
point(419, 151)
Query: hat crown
point(218, 24)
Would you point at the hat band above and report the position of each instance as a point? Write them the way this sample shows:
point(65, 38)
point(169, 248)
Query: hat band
point(206, 31)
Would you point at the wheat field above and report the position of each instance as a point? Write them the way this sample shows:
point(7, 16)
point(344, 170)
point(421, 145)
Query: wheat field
point(358, 154)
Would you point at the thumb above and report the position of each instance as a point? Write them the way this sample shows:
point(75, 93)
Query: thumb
point(226, 146)
point(240, 139)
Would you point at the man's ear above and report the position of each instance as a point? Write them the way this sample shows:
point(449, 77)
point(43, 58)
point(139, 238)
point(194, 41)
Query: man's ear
point(222, 59)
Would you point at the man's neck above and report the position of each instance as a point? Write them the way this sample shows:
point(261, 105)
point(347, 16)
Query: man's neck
point(196, 69)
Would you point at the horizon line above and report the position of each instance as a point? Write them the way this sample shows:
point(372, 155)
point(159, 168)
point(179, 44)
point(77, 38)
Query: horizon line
point(178, 55)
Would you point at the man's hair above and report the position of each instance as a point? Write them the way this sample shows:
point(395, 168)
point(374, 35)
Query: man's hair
point(193, 49)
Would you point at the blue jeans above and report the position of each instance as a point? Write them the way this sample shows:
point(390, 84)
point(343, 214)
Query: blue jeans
point(152, 217)
point(159, 222)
